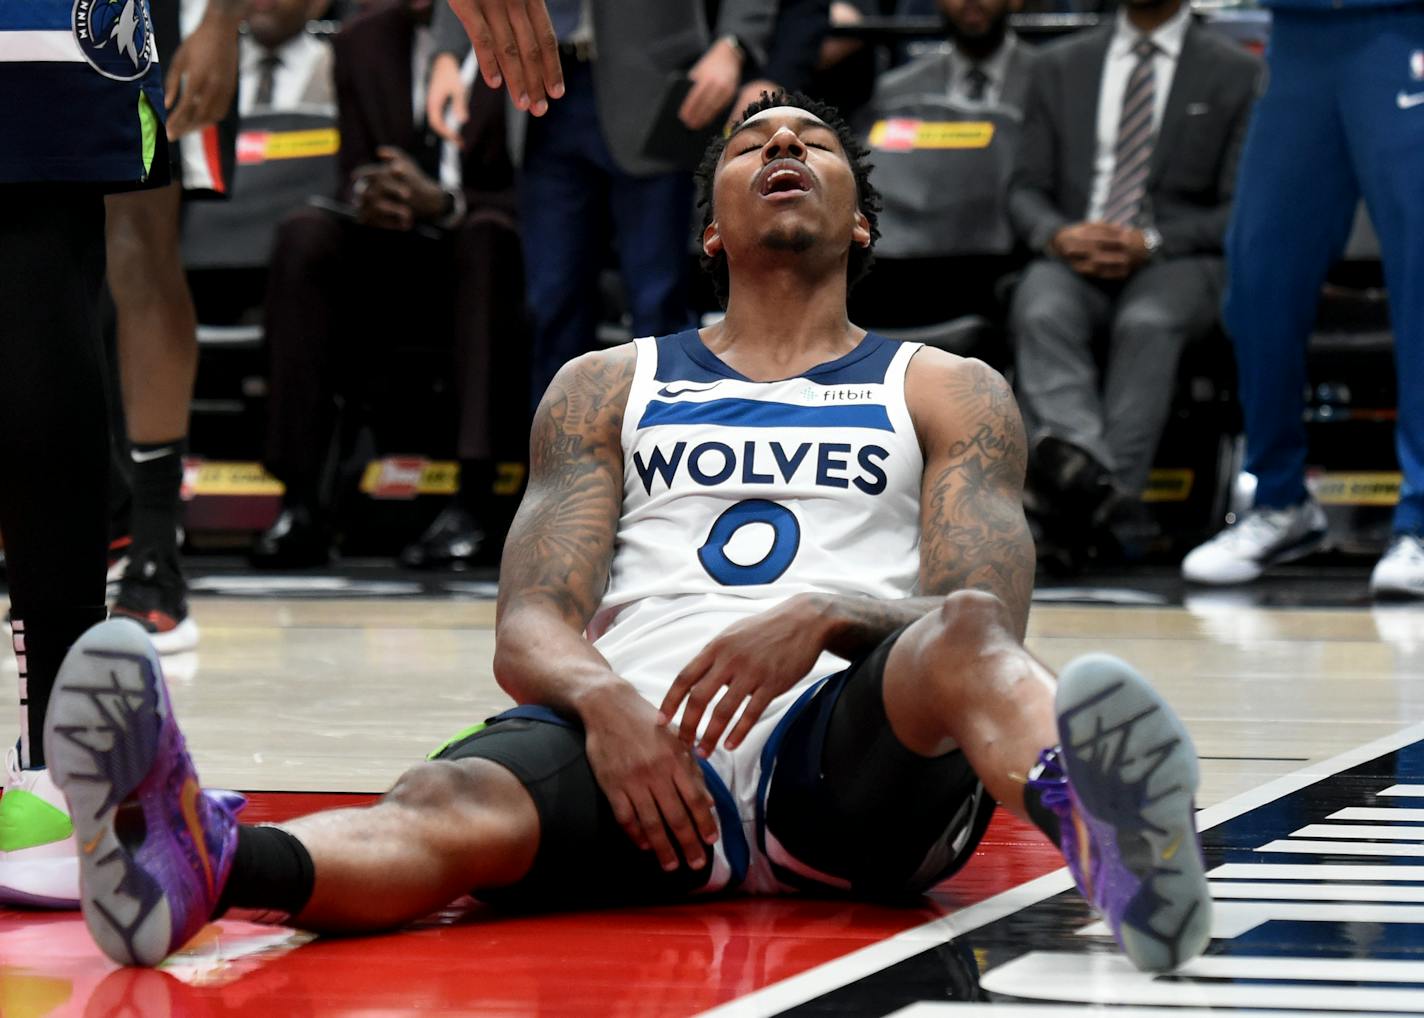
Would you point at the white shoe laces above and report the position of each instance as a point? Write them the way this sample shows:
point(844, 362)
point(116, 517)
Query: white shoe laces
point(1256, 529)
point(1408, 548)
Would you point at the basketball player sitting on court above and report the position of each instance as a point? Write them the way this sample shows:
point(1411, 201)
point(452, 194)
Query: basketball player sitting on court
point(762, 607)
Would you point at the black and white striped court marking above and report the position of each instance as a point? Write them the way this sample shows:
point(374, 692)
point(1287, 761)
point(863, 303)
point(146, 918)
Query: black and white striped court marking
point(1318, 881)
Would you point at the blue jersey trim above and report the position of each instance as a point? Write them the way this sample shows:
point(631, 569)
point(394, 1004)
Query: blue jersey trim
point(36, 16)
point(752, 413)
point(684, 357)
point(734, 839)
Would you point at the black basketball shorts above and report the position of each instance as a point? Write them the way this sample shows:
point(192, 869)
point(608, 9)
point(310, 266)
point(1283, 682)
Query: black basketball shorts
point(843, 808)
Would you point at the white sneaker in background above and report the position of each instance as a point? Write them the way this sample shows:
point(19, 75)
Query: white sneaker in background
point(1260, 539)
point(39, 860)
point(1400, 572)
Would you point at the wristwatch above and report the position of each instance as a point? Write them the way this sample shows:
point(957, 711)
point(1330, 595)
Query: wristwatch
point(1152, 240)
point(736, 44)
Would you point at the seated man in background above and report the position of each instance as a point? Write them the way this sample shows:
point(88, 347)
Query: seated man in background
point(415, 247)
point(1123, 189)
point(282, 68)
point(948, 241)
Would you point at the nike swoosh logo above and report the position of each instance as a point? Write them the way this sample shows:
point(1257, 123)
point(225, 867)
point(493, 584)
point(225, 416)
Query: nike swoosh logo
point(1408, 102)
point(668, 390)
point(152, 454)
point(89, 846)
point(1171, 849)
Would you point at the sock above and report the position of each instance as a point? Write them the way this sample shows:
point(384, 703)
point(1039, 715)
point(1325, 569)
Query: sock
point(157, 480)
point(271, 871)
point(42, 638)
point(1044, 782)
point(476, 487)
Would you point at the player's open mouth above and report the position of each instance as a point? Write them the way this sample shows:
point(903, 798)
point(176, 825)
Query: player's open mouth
point(785, 179)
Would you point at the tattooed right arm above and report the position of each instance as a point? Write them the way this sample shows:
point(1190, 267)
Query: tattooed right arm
point(554, 571)
point(560, 545)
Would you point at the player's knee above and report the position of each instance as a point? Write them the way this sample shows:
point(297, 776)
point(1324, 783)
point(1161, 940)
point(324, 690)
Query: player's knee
point(442, 787)
point(970, 618)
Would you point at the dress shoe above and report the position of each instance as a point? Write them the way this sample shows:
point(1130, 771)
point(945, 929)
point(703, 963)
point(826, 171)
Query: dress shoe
point(295, 541)
point(452, 541)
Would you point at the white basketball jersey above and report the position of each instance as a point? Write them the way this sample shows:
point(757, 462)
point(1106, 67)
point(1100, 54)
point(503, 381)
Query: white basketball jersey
point(738, 495)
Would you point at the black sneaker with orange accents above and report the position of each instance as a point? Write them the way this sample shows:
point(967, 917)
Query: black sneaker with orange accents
point(153, 593)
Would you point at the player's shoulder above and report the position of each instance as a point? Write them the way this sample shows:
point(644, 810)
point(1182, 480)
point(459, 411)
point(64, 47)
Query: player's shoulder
point(591, 391)
point(936, 374)
point(946, 392)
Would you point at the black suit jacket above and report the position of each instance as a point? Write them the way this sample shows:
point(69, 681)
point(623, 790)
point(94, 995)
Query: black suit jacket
point(374, 90)
point(1193, 172)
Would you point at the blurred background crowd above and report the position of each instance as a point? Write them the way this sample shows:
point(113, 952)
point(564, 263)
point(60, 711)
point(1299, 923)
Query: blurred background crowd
point(1073, 192)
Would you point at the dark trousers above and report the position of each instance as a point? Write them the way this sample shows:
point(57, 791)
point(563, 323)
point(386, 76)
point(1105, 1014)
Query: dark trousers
point(343, 303)
point(1339, 119)
point(571, 194)
point(1115, 412)
point(54, 436)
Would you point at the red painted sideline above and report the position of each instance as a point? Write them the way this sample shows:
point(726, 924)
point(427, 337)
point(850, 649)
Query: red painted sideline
point(469, 960)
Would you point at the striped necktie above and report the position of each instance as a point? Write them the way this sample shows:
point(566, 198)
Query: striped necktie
point(1133, 153)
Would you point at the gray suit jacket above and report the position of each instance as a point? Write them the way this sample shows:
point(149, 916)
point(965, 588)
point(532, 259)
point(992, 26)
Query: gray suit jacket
point(643, 46)
point(931, 75)
point(1193, 173)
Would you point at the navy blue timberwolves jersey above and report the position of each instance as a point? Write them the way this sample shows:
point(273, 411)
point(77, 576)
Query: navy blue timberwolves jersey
point(83, 95)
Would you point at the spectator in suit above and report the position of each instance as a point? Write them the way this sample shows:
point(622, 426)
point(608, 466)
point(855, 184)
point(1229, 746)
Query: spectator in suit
point(1123, 190)
point(946, 240)
point(801, 27)
point(426, 247)
point(586, 163)
point(281, 67)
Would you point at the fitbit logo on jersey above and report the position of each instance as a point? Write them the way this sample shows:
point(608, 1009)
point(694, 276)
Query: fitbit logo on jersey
point(825, 464)
point(852, 394)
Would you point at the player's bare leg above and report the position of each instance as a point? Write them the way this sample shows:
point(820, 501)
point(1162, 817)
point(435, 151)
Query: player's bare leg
point(158, 344)
point(1115, 774)
point(158, 358)
point(446, 828)
point(959, 677)
point(162, 857)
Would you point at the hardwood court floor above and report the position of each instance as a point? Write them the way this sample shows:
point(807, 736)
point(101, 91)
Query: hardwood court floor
point(325, 696)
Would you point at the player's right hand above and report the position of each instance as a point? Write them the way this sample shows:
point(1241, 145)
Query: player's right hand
point(515, 44)
point(650, 777)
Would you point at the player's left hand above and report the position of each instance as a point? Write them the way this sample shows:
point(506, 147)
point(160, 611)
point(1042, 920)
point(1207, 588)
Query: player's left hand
point(202, 76)
point(714, 85)
point(755, 661)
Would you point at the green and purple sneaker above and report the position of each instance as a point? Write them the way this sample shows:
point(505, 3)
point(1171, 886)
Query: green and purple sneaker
point(1122, 783)
point(154, 850)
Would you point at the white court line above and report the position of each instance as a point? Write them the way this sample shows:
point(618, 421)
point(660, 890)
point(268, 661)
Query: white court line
point(1314, 872)
point(1386, 813)
point(1394, 850)
point(1388, 832)
point(1404, 791)
point(838, 972)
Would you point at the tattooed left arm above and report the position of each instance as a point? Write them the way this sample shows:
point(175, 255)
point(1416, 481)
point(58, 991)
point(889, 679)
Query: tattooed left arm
point(973, 533)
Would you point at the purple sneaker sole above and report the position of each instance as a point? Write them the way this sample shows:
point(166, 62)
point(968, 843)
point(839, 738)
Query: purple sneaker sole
point(1132, 775)
point(154, 850)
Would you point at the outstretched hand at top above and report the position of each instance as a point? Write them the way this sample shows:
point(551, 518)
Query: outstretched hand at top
point(515, 45)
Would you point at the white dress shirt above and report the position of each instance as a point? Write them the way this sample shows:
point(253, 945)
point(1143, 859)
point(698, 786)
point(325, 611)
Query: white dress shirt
point(995, 69)
point(298, 59)
point(1117, 68)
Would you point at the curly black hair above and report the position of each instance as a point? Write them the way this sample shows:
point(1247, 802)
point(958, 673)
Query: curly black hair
point(867, 196)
